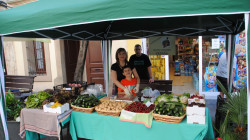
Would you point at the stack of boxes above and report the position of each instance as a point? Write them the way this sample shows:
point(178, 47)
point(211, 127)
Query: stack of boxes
point(196, 110)
point(182, 69)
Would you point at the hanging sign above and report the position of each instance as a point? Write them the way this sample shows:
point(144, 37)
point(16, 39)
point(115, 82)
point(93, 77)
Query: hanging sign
point(162, 45)
point(215, 43)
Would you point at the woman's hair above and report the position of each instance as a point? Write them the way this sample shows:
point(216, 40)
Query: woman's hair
point(118, 51)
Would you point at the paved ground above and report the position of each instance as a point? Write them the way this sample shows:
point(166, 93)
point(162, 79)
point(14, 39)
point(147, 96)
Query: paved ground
point(211, 104)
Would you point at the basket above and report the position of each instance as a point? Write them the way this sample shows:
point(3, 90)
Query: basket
point(105, 99)
point(168, 119)
point(81, 109)
point(109, 113)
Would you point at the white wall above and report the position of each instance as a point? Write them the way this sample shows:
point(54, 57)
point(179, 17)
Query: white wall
point(17, 62)
point(55, 66)
point(115, 45)
point(10, 57)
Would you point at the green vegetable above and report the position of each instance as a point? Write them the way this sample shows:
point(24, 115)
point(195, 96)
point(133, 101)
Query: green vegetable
point(35, 100)
point(13, 106)
point(174, 99)
point(187, 95)
point(184, 99)
point(162, 98)
point(170, 109)
point(86, 101)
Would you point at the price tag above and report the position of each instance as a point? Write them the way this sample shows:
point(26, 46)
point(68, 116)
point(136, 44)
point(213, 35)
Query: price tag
point(148, 103)
point(215, 43)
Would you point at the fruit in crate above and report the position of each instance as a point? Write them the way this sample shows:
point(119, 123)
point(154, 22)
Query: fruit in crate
point(86, 101)
point(74, 85)
point(115, 106)
point(139, 107)
point(196, 96)
point(170, 109)
point(55, 105)
point(198, 104)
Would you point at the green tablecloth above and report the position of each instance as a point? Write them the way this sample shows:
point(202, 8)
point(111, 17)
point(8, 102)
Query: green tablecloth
point(101, 127)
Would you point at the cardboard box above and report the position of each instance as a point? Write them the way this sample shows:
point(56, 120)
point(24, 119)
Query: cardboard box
point(61, 109)
point(196, 110)
point(196, 100)
point(196, 119)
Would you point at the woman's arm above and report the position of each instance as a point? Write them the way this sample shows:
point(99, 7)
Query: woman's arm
point(115, 81)
point(136, 75)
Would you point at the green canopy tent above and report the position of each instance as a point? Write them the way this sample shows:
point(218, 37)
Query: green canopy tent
point(127, 19)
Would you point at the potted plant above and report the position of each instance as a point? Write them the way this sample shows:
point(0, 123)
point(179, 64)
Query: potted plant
point(235, 109)
point(13, 108)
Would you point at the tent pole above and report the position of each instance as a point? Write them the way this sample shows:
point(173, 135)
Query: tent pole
point(104, 46)
point(2, 94)
point(248, 60)
point(231, 62)
point(108, 64)
point(200, 64)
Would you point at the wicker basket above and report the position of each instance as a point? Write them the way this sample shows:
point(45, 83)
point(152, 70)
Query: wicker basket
point(105, 99)
point(81, 109)
point(109, 113)
point(168, 119)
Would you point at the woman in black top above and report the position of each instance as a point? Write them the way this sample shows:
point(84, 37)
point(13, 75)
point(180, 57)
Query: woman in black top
point(116, 70)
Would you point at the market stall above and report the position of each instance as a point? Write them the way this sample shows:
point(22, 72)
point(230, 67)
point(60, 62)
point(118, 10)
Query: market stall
point(100, 127)
point(105, 20)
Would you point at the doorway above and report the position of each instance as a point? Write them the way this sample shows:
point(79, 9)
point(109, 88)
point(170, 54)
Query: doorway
point(94, 65)
point(71, 49)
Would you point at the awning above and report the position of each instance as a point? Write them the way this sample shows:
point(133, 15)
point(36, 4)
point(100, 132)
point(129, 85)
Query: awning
point(127, 19)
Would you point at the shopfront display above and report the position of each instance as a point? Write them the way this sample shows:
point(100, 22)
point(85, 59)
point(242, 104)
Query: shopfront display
point(241, 72)
point(210, 59)
point(210, 56)
point(187, 55)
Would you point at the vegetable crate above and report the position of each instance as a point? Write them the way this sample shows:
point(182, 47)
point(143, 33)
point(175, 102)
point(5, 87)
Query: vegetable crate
point(109, 113)
point(77, 87)
point(111, 108)
point(81, 109)
point(168, 119)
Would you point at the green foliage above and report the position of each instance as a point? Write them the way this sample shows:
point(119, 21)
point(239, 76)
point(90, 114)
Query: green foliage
point(236, 106)
point(35, 100)
point(13, 106)
point(225, 131)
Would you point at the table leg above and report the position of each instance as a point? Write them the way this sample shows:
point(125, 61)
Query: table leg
point(39, 136)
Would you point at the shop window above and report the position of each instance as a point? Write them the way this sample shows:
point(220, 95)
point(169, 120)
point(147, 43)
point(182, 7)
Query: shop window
point(36, 58)
point(212, 47)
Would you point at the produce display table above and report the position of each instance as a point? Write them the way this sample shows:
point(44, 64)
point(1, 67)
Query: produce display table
point(36, 121)
point(101, 127)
